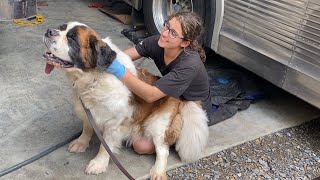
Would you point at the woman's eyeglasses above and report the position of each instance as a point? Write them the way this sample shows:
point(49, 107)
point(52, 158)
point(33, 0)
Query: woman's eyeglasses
point(172, 33)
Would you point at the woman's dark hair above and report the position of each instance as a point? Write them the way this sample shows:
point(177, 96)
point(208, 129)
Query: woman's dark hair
point(192, 29)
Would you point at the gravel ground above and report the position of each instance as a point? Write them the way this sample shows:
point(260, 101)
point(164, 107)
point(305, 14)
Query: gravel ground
point(292, 153)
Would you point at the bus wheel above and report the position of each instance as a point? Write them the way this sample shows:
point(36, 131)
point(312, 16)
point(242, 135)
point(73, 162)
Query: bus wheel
point(156, 11)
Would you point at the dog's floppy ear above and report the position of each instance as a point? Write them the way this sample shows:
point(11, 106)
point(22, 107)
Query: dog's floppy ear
point(105, 55)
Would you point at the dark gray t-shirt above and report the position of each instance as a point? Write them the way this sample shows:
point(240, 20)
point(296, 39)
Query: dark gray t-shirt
point(185, 77)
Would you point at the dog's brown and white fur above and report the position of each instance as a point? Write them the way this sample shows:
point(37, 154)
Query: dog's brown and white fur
point(119, 114)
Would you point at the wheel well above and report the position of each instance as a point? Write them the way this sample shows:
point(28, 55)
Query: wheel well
point(205, 8)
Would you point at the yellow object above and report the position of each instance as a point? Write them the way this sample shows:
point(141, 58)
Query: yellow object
point(38, 21)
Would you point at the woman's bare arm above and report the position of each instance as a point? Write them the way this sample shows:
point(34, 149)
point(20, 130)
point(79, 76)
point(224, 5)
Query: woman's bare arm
point(144, 90)
point(132, 53)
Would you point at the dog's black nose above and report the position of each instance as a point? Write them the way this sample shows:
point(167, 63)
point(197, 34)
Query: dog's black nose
point(51, 32)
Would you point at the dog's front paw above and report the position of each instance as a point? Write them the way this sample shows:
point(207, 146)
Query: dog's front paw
point(95, 167)
point(77, 146)
point(157, 175)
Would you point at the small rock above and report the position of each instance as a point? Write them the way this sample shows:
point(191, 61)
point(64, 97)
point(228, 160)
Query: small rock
point(309, 168)
point(282, 175)
point(233, 154)
point(263, 163)
point(279, 134)
point(256, 171)
point(309, 176)
point(258, 141)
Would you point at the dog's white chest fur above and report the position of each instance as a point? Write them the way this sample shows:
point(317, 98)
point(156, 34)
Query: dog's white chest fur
point(105, 95)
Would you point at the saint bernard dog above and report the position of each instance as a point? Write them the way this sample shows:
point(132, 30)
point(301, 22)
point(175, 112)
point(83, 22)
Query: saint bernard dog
point(119, 114)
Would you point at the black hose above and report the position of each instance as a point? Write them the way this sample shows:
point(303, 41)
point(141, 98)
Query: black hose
point(38, 156)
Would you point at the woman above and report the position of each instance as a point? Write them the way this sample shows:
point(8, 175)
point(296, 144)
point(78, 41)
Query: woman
point(179, 57)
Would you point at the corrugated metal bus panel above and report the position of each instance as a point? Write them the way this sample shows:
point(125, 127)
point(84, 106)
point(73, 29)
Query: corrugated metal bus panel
point(234, 21)
point(310, 51)
point(270, 22)
point(236, 11)
point(271, 70)
point(277, 30)
point(237, 3)
point(285, 31)
point(311, 28)
point(312, 16)
point(315, 1)
point(303, 33)
point(306, 54)
point(241, 16)
point(280, 8)
point(293, 3)
point(281, 15)
point(261, 32)
point(303, 86)
point(272, 47)
point(309, 43)
point(267, 32)
point(233, 26)
point(303, 66)
point(284, 23)
point(288, 5)
point(304, 28)
point(314, 26)
point(313, 9)
point(238, 8)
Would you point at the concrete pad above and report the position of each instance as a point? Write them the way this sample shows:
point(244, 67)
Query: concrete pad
point(36, 112)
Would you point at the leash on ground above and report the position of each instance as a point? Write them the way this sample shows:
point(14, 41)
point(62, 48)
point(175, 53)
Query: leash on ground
point(103, 142)
point(38, 156)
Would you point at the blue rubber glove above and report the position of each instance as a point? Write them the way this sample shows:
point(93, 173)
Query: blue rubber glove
point(117, 69)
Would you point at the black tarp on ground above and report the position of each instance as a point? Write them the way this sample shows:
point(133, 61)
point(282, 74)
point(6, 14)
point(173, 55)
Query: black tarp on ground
point(232, 88)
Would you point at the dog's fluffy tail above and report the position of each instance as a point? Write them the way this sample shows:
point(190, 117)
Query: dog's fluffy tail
point(194, 134)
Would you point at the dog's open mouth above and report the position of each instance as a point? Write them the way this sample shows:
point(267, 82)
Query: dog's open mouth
point(50, 58)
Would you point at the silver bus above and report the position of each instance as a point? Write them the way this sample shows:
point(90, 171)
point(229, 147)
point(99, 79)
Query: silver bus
point(278, 40)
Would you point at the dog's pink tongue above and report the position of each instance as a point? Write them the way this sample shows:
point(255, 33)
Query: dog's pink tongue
point(49, 68)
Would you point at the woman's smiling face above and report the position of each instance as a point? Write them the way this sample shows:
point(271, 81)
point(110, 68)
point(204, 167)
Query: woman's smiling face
point(171, 34)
